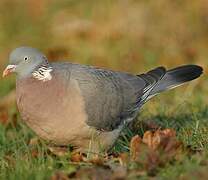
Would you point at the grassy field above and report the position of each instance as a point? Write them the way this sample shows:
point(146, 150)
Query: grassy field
point(132, 36)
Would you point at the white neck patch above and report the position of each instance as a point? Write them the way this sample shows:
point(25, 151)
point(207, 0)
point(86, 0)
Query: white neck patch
point(43, 73)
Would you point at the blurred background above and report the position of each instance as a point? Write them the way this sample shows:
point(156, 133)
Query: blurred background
point(124, 35)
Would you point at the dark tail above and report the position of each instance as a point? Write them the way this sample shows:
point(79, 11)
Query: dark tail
point(176, 77)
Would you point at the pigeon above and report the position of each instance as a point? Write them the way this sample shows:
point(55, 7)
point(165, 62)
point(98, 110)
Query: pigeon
point(86, 106)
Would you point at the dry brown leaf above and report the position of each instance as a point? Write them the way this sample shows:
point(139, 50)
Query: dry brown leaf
point(123, 158)
point(77, 157)
point(97, 160)
point(135, 147)
point(154, 150)
point(169, 132)
point(34, 153)
point(157, 138)
point(153, 162)
point(147, 138)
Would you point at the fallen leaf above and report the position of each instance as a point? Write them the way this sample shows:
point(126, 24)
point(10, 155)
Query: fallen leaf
point(76, 157)
point(135, 147)
point(153, 162)
point(147, 138)
point(97, 160)
point(169, 132)
point(123, 158)
point(155, 149)
point(157, 138)
point(34, 153)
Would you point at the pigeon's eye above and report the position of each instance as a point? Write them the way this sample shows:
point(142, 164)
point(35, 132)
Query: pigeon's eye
point(26, 58)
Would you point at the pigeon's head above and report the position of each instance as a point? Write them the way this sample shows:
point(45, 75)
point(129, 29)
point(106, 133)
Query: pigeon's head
point(24, 60)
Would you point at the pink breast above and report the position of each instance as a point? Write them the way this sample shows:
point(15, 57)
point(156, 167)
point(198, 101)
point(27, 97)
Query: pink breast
point(40, 99)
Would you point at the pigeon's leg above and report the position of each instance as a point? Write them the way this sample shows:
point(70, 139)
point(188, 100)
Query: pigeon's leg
point(99, 142)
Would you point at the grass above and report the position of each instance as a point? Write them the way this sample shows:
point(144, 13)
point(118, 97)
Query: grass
point(132, 36)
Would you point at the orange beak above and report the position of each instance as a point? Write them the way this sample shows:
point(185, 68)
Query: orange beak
point(9, 69)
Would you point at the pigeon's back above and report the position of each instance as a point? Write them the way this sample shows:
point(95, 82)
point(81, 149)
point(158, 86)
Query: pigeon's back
point(110, 98)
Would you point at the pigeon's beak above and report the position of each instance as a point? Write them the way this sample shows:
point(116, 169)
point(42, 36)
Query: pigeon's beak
point(9, 69)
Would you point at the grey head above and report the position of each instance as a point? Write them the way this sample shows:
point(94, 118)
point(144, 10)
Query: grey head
point(24, 60)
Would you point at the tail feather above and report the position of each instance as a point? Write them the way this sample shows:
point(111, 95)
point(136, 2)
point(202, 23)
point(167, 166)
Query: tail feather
point(176, 77)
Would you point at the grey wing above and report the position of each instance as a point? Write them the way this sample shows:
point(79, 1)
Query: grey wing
point(112, 97)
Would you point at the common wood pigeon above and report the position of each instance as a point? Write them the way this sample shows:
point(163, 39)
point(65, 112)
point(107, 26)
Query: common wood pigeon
point(83, 105)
